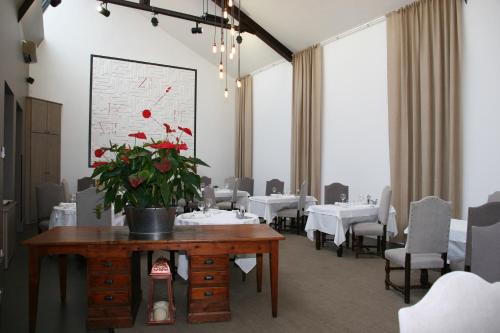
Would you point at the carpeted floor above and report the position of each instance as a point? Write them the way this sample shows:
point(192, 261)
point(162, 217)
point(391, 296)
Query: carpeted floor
point(318, 292)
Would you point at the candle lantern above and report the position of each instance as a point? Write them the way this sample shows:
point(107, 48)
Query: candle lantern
point(161, 307)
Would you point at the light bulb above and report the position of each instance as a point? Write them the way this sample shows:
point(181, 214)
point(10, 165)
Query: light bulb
point(232, 31)
point(233, 49)
point(222, 48)
point(231, 55)
point(221, 74)
point(225, 13)
point(238, 83)
point(214, 48)
point(230, 3)
point(221, 66)
point(226, 93)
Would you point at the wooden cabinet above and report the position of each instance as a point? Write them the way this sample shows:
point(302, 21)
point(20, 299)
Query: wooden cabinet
point(42, 149)
point(8, 231)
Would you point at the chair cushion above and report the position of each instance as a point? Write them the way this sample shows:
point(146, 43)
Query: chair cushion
point(418, 261)
point(368, 229)
point(226, 205)
point(44, 225)
point(287, 212)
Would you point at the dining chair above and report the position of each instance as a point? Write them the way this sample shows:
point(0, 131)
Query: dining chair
point(205, 181)
point(229, 205)
point(426, 245)
point(277, 184)
point(85, 183)
point(67, 194)
point(494, 197)
point(229, 181)
point(333, 193)
point(485, 252)
point(480, 216)
point(296, 215)
point(90, 210)
point(376, 228)
point(48, 195)
point(246, 184)
point(209, 195)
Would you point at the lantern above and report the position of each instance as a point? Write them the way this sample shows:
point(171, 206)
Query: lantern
point(161, 308)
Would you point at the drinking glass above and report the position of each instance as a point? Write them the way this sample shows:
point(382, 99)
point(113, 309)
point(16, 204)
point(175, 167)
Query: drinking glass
point(201, 205)
point(274, 190)
point(343, 196)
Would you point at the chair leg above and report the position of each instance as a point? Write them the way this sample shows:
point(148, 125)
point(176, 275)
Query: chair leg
point(444, 270)
point(424, 278)
point(407, 278)
point(378, 245)
point(384, 244)
point(347, 235)
point(387, 274)
point(340, 250)
point(359, 245)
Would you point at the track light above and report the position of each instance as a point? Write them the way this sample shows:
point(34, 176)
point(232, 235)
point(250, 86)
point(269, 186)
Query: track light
point(103, 9)
point(154, 20)
point(197, 29)
point(239, 39)
point(55, 3)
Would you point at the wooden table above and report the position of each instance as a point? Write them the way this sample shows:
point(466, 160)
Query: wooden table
point(113, 273)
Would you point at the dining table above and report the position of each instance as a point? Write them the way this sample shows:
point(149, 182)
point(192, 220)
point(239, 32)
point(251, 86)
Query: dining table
point(268, 206)
point(64, 215)
point(246, 262)
point(336, 219)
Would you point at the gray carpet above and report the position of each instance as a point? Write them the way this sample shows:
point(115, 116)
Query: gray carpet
point(318, 292)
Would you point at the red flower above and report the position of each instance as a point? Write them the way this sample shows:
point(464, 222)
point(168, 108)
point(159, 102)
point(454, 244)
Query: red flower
point(98, 164)
point(135, 181)
point(138, 135)
point(168, 128)
point(163, 145)
point(125, 159)
point(162, 166)
point(99, 152)
point(146, 113)
point(186, 130)
point(182, 146)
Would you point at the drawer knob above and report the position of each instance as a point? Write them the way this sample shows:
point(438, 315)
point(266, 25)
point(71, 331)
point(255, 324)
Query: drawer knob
point(107, 264)
point(209, 262)
point(108, 281)
point(108, 298)
point(209, 278)
point(209, 293)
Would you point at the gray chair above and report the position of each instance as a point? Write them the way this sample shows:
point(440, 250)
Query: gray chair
point(229, 205)
point(377, 228)
point(67, 194)
point(481, 216)
point(246, 184)
point(494, 197)
point(48, 195)
point(333, 192)
point(205, 181)
point(90, 209)
point(426, 245)
point(277, 184)
point(209, 195)
point(85, 183)
point(229, 181)
point(294, 214)
point(485, 253)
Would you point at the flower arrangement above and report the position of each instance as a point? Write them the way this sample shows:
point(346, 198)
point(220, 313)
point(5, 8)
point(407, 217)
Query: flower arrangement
point(151, 175)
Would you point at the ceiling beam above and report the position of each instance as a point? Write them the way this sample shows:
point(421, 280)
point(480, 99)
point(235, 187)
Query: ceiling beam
point(250, 26)
point(23, 9)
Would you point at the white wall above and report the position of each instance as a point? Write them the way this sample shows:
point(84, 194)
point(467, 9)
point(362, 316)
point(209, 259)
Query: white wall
point(355, 139)
point(481, 102)
point(272, 122)
point(74, 30)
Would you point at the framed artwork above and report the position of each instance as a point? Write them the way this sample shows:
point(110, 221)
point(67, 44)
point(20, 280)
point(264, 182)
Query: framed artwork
point(120, 92)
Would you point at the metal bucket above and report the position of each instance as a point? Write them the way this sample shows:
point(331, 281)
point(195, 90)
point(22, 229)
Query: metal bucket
point(150, 223)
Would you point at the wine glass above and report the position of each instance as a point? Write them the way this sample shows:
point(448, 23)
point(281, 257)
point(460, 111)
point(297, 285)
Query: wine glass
point(201, 206)
point(274, 190)
point(343, 196)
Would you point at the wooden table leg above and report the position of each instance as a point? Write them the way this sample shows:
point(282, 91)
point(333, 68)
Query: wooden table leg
point(273, 264)
point(150, 261)
point(34, 280)
point(317, 237)
point(63, 264)
point(259, 272)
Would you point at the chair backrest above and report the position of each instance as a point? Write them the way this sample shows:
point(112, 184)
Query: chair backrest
point(234, 188)
point(87, 202)
point(302, 196)
point(85, 183)
point(205, 181)
point(65, 185)
point(480, 216)
point(458, 302)
point(229, 181)
point(485, 252)
point(385, 205)
point(246, 184)
point(209, 194)
point(333, 192)
point(494, 197)
point(274, 183)
point(429, 226)
point(48, 195)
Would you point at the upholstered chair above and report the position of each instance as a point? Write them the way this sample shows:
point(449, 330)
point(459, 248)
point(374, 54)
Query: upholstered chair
point(84, 183)
point(246, 184)
point(274, 183)
point(205, 181)
point(229, 205)
point(90, 210)
point(209, 195)
point(494, 197)
point(333, 192)
point(229, 181)
point(48, 195)
point(295, 214)
point(485, 252)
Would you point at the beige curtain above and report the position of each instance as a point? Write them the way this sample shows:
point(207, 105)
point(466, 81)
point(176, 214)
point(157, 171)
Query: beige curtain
point(306, 119)
point(423, 45)
point(244, 129)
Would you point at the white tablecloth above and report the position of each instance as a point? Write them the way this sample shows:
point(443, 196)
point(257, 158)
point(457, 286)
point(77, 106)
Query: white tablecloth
point(336, 219)
point(246, 261)
point(64, 215)
point(267, 207)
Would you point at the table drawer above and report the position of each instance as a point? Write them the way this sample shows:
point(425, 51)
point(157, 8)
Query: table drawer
point(108, 265)
point(210, 294)
point(109, 281)
point(209, 262)
point(108, 311)
point(109, 297)
point(206, 278)
point(208, 306)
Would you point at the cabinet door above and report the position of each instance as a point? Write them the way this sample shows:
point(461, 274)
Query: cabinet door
point(54, 118)
point(38, 116)
point(38, 166)
point(53, 157)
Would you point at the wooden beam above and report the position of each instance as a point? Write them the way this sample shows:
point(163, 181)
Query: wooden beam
point(23, 9)
point(250, 26)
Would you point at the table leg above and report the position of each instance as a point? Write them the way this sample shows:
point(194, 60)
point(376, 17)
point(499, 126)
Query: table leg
point(150, 261)
point(34, 280)
point(259, 272)
point(317, 238)
point(273, 264)
point(340, 250)
point(63, 263)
